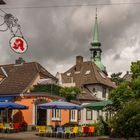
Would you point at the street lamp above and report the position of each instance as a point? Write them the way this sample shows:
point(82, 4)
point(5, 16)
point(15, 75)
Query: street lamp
point(2, 2)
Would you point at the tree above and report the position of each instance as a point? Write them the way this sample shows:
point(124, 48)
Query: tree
point(50, 88)
point(135, 85)
point(123, 93)
point(115, 77)
point(126, 99)
point(69, 93)
point(127, 120)
point(135, 69)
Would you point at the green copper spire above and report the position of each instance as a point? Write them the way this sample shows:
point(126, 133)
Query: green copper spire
point(96, 31)
point(95, 47)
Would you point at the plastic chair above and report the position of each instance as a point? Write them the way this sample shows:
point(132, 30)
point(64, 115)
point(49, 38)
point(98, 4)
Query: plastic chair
point(1, 127)
point(59, 132)
point(16, 127)
point(68, 132)
point(75, 130)
point(86, 130)
point(49, 131)
point(91, 130)
point(8, 128)
point(41, 129)
point(80, 130)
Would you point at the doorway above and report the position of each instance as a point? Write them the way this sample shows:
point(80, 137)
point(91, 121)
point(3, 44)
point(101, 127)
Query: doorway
point(40, 114)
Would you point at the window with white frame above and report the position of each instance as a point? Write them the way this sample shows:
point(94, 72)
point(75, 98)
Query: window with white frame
point(55, 114)
point(73, 115)
point(88, 114)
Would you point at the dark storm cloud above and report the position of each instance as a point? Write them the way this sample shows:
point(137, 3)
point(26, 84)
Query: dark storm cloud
point(56, 35)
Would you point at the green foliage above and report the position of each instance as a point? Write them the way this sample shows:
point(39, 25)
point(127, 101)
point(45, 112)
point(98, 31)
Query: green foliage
point(121, 94)
point(126, 99)
point(50, 88)
point(69, 93)
point(135, 85)
point(115, 77)
point(135, 69)
point(127, 120)
point(99, 128)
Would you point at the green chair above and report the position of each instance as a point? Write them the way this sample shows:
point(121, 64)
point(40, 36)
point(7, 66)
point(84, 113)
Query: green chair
point(8, 128)
point(68, 132)
point(49, 131)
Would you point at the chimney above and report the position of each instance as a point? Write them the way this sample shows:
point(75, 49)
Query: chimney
point(127, 72)
point(20, 60)
point(79, 60)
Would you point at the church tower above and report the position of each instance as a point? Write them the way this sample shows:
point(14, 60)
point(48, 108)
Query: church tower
point(95, 49)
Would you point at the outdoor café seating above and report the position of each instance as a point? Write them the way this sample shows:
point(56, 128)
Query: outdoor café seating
point(12, 127)
point(65, 131)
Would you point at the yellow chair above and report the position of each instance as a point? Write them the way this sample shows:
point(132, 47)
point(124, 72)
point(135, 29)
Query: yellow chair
point(1, 125)
point(75, 130)
point(41, 129)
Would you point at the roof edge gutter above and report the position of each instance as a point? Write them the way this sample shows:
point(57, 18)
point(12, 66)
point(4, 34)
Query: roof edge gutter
point(4, 72)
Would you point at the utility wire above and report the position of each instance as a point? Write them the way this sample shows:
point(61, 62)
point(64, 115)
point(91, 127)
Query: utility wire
point(3, 11)
point(72, 5)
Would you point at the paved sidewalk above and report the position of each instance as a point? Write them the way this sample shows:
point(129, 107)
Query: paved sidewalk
point(32, 136)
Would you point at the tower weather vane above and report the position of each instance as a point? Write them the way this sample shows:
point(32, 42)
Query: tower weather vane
point(17, 42)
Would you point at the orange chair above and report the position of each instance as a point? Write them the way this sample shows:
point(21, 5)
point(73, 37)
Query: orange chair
point(91, 130)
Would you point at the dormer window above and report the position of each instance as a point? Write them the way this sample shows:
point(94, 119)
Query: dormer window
point(77, 72)
point(87, 72)
point(68, 74)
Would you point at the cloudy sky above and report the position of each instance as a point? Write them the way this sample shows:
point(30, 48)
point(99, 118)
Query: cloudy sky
point(55, 35)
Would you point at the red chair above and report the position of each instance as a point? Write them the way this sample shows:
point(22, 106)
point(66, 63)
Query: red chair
point(16, 127)
point(86, 130)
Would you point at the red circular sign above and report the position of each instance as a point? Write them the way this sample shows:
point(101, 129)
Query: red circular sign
point(18, 44)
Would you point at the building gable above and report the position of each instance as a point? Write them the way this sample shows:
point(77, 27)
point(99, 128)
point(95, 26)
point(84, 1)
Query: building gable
point(20, 77)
